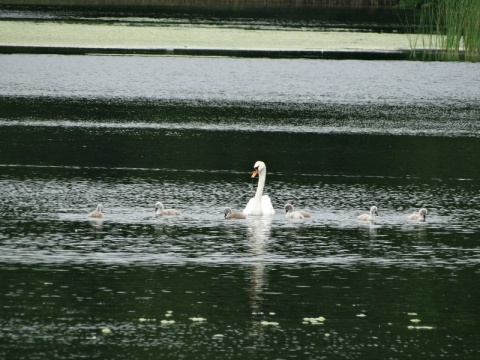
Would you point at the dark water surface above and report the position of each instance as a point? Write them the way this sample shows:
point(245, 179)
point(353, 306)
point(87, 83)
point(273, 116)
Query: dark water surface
point(337, 137)
point(258, 17)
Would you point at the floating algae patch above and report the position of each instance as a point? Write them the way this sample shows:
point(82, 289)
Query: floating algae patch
point(269, 323)
point(314, 321)
point(145, 319)
point(198, 319)
point(411, 327)
point(29, 33)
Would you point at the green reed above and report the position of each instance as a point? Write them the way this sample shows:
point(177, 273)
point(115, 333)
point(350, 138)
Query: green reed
point(450, 30)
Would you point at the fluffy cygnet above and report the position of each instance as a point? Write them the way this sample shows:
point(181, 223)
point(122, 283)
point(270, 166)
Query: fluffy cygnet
point(159, 210)
point(292, 214)
point(97, 213)
point(420, 216)
point(229, 214)
point(371, 216)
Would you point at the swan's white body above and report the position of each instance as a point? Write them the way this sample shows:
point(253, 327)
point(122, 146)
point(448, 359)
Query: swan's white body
point(229, 214)
point(260, 204)
point(420, 216)
point(371, 216)
point(159, 210)
point(292, 214)
point(97, 213)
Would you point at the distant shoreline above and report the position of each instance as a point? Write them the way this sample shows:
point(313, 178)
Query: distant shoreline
point(212, 3)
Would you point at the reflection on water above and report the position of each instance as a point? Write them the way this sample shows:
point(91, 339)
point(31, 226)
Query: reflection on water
point(65, 148)
point(258, 236)
point(259, 232)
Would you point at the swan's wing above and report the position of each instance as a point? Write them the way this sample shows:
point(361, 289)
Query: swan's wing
point(267, 207)
point(249, 207)
point(305, 213)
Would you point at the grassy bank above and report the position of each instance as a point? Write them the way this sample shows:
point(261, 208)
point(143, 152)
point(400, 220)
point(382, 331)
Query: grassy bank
point(233, 3)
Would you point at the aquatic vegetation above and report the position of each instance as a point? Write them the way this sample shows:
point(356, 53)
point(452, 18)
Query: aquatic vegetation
point(449, 30)
point(314, 321)
point(198, 319)
point(145, 319)
point(411, 327)
point(269, 323)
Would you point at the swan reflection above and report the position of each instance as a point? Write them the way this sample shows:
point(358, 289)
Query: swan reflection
point(96, 224)
point(259, 234)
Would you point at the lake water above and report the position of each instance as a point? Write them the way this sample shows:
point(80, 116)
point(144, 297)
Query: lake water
point(337, 138)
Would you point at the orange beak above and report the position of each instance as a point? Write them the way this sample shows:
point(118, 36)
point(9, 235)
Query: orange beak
point(255, 172)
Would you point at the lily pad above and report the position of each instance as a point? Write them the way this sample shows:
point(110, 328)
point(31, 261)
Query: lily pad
point(198, 319)
point(269, 323)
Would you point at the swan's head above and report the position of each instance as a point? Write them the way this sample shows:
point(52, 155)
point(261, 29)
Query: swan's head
point(423, 212)
point(100, 207)
point(158, 205)
point(227, 211)
point(288, 207)
point(258, 168)
point(374, 211)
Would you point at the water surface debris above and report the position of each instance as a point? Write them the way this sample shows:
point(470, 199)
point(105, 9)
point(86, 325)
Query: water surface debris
point(411, 327)
point(314, 321)
point(198, 319)
point(269, 323)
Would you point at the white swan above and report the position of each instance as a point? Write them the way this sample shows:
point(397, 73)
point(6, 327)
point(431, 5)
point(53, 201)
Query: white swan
point(97, 213)
point(420, 216)
point(229, 214)
point(159, 210)
point(291, 214)
point(371, 216)
point(260, 204)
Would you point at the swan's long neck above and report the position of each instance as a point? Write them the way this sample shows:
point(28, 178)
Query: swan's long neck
point(261, 184)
